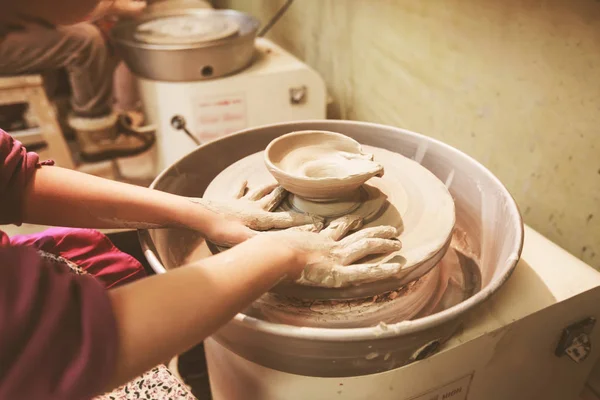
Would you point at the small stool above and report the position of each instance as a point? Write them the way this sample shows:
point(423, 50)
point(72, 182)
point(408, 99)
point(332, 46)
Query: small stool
point(29, 89)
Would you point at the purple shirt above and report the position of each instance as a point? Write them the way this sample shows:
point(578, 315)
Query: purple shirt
point(58, 337)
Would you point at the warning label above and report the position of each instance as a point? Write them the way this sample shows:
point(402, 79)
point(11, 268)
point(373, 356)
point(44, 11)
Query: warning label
point(456, 390)
point(218, 116)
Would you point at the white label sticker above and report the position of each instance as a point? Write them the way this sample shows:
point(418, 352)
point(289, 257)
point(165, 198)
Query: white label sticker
point(456, 390)
point(218, 116)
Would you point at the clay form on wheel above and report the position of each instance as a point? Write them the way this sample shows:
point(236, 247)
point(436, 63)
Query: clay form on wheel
point(408, 198)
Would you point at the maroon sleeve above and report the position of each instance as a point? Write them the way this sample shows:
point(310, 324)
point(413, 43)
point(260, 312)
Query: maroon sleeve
point(57, 329)
point(17, 167)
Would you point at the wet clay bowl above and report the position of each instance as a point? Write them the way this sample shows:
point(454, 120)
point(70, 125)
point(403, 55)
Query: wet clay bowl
point(320, 165)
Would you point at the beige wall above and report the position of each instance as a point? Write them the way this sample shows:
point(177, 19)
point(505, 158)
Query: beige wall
point(514, 83)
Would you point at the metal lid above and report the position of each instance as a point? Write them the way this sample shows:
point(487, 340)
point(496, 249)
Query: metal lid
point(192, 28)
point(177, 29)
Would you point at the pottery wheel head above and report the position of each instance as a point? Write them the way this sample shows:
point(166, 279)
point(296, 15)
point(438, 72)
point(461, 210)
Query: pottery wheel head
point(320, 165)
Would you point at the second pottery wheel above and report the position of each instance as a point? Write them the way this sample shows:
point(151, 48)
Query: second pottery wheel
point(409, 197)
point(180, 29)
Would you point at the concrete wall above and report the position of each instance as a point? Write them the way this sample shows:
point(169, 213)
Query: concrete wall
point(514, 83)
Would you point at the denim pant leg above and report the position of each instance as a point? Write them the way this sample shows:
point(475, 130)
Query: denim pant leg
point(80, 49)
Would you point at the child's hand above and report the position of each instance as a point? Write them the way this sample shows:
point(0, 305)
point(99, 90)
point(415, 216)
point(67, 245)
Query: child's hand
point(254, 209)
point(326, 262)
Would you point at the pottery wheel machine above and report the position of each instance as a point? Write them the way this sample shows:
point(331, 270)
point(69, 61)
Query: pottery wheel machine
point(473, 305)
point(204, 73)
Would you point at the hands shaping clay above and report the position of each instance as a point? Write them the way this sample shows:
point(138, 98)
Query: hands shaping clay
point(255, 208)
point(402, 221)
point(305, 232)
point(330, 259)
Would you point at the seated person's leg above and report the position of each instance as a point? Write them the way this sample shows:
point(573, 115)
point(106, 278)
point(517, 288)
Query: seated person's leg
point(89, 62)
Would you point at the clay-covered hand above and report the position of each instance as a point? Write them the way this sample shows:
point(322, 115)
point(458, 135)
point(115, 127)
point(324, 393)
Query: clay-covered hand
point(254, 209)
point(327, 260)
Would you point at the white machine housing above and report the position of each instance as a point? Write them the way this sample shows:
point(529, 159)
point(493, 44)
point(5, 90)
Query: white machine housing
point(505, 351)
point(277, 87)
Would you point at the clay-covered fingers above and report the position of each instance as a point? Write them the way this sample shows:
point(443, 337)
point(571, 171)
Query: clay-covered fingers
point(254, 217)
point(273, 199)
point(260, 192)
point(267, 197)
point(365, 247)
point(366, 242)
point(344, 276)
point(284, 220)
point(380, 232)
point(340, 227)
point(315, 227)
point(241, 192)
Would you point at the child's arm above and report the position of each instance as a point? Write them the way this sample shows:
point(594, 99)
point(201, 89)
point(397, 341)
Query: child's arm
point(57, 196)
point(65, 337)
point(167, 314)
point(50, 195)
